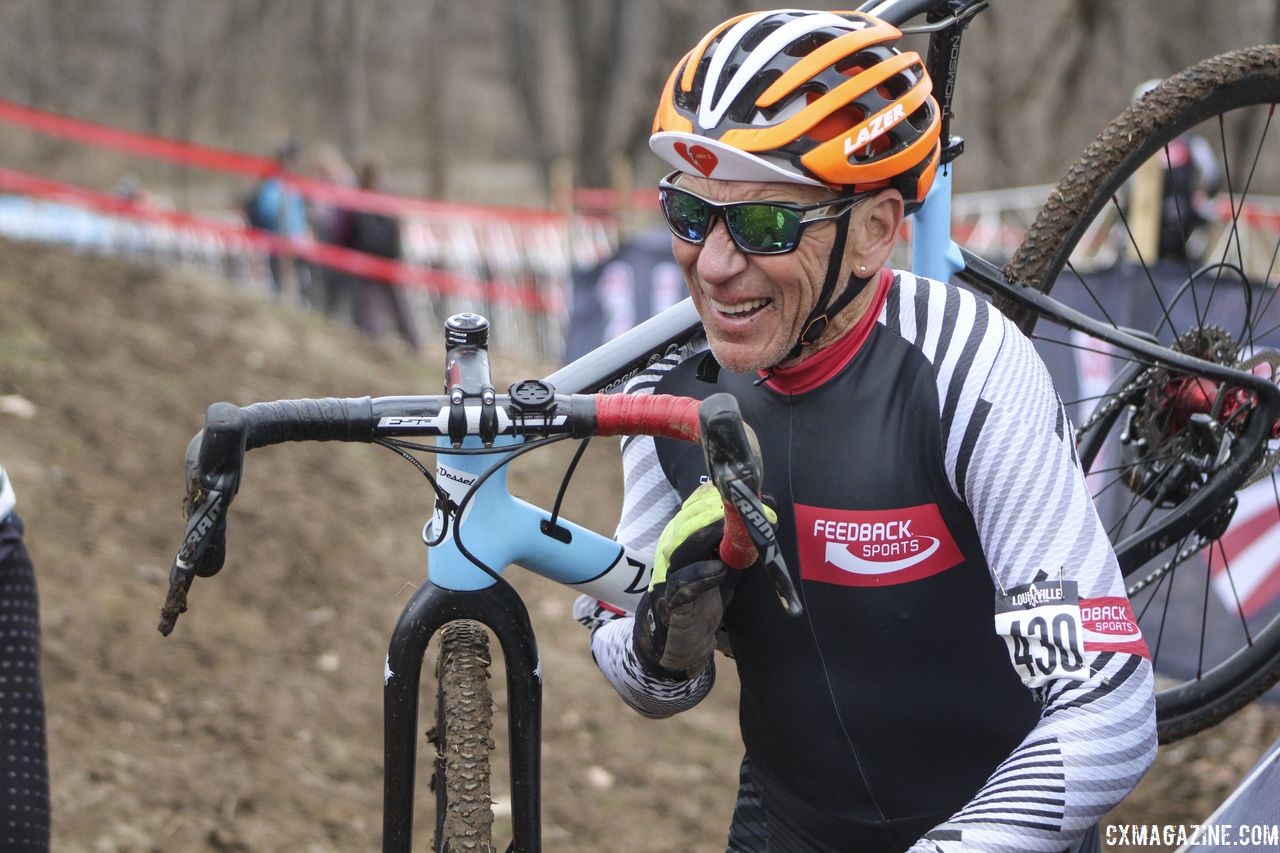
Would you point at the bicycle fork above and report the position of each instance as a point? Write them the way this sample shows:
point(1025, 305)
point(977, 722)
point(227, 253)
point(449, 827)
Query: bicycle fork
point(499, 609)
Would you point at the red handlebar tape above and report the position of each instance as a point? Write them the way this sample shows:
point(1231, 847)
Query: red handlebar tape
point(652, 414)
point(671, 417)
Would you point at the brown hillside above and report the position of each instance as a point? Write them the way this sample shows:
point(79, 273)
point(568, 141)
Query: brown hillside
point(257, 725)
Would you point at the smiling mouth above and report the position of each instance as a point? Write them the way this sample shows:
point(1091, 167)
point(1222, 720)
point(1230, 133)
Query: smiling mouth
point(740, 310)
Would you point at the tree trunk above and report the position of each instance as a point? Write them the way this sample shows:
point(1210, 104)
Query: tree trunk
point(526, 73)
point(354, 78)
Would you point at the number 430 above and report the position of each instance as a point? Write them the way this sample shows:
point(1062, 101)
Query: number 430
point(1059, 644)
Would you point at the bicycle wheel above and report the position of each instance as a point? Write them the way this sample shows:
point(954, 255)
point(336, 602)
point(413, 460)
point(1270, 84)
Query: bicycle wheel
point(1169, 225)
point(463, 741)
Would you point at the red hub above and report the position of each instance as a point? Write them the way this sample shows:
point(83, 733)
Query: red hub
point(1191, 395)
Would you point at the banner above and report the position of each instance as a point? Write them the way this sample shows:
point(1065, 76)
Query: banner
point(232, 162)
point(306, 249)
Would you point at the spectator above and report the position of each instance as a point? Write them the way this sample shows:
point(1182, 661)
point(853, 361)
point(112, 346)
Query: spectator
point(333, 290)
point(380, 307)
point(1190, 178)
point(24, 794)
point(277, 208)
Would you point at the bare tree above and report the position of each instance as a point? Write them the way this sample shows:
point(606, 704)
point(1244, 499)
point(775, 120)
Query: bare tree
point(526, 71)
point(354, 78)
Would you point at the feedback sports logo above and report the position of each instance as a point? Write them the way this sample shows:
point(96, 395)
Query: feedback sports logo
point(873, 547)
point(1110, 626)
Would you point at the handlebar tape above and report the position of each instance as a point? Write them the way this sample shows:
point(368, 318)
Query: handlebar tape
point(327, 419)
point(651, 414)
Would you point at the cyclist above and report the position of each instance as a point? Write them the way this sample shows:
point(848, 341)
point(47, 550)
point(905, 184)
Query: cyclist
point(967, 673)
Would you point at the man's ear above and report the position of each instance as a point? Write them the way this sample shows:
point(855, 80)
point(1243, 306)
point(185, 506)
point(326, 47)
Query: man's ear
point(874, 229)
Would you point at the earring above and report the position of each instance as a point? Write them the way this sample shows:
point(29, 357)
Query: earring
point(862, 268)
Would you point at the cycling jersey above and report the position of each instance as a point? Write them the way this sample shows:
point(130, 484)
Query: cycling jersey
point(967, 672)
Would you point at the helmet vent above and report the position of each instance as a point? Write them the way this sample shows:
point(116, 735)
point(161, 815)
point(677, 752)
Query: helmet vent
point(919, 119)
point(744, 109)
point(757, 34)
point(807, 44)
point(837, 123)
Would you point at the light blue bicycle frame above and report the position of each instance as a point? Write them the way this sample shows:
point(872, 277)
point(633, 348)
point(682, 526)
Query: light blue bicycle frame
point(500, 529)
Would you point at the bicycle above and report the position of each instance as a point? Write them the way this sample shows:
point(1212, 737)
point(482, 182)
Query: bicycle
point(1187, 418)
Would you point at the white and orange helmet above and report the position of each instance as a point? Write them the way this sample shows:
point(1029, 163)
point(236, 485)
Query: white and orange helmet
point(817, 98)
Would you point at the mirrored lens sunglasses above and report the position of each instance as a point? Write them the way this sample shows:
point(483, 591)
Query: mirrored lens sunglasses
point(757, 228)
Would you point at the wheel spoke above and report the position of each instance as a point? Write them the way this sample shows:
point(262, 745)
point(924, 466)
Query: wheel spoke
point(1121, 355)
point(1138, 496)
point(1271, 296)
point(1164, 309)
point(1089, 290)
point(1226, 567)
point(1164, 614)
point(1141, 386)
point(1204, 616)
point(1128, 465)
point(1185, 233)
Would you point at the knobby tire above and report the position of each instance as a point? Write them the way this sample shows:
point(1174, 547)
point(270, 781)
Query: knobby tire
point(463, 740)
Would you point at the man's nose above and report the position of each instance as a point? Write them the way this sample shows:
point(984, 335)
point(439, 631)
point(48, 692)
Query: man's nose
point(720, 258)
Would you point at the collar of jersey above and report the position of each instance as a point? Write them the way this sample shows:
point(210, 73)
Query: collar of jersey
point(819, 368)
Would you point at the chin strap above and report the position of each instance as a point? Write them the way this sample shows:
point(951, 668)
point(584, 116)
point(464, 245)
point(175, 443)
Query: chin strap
point(816, 323)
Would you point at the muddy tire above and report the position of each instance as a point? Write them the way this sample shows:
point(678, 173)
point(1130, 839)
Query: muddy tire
point(463, 740)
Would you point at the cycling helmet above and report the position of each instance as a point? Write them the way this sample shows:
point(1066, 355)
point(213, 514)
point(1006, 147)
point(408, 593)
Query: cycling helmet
point(818, 98)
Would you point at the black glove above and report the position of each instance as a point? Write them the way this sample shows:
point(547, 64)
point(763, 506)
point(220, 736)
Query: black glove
point(675, 627)
point(676, 624)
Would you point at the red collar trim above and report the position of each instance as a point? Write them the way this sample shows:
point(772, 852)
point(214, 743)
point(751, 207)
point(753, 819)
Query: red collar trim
point(817, 369)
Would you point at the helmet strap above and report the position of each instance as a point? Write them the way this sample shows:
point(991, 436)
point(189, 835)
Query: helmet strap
point(816, 323)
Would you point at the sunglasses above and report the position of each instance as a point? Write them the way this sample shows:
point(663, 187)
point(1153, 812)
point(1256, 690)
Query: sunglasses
point(756, 227)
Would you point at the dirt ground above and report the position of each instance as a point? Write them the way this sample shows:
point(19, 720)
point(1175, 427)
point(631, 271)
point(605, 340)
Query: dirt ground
point(257, 725)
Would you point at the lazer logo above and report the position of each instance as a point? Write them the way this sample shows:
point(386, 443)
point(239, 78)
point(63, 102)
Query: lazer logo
point(874, 547)
point(874, 129)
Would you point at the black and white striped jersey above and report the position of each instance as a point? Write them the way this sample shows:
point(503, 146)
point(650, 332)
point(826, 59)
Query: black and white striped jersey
point(967, 672)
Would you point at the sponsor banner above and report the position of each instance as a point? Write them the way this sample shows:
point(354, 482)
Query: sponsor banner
point(873, 547)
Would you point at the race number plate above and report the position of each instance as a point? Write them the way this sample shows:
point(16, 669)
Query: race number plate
point(1040, 624)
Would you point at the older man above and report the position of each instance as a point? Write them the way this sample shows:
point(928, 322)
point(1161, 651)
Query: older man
point(949, 686)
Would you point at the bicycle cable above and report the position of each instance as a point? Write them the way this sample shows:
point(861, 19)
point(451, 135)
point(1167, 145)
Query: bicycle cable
point(467, 451)
point(564, 482)
point(442, 497)
point(480, 481)
point(401, 447)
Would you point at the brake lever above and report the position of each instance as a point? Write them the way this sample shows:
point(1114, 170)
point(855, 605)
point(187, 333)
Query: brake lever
point(214, 460)
point(202, 552)
point(733, 463)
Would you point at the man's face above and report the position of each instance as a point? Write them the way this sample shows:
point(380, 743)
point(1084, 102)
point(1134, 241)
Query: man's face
point(754, 306)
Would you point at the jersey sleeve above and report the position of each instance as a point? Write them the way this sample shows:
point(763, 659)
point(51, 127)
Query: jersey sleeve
point(1011, 457)
point(649, 501)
